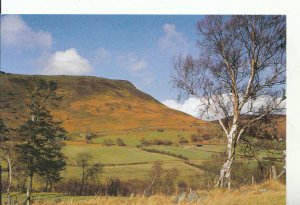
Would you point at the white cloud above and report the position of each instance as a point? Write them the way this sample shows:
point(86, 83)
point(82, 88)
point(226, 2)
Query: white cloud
point(67, 62)
point(132, 62)
point(189, 106)
point(172, 40)
point(16, 33)
point(102, 56)
point(194, 106)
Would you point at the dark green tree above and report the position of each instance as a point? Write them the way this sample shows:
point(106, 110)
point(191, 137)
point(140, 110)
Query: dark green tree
point(3, 129)
point(40, 150)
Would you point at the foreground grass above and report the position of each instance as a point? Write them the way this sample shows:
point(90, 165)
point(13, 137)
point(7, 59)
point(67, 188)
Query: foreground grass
point(262, 194)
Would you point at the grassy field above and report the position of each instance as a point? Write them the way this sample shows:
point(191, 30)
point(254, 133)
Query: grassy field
point(123, 162)
point(133, 137)
point(130, 162)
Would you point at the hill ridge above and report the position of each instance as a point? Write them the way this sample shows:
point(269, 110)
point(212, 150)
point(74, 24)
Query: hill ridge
point(93, 103)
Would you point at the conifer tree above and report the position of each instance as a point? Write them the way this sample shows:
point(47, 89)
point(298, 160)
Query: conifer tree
point(40, 150)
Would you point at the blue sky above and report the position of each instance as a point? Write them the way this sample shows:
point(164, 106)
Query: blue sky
point(138, 48)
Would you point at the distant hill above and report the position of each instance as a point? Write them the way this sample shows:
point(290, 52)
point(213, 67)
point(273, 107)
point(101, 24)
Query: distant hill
point(94, 104)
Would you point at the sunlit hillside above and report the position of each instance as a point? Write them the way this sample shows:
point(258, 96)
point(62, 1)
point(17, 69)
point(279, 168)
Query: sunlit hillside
point(92, 104)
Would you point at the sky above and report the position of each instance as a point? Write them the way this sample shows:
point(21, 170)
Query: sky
point(138, 48)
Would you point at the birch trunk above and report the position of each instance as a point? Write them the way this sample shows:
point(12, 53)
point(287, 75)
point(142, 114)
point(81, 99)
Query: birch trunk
point(29, 188)
point(9, 180)
point(225, 172)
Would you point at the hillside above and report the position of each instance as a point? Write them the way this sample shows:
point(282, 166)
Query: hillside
point(93, 104)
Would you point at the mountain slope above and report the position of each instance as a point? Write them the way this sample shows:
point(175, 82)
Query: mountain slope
point(93, 104)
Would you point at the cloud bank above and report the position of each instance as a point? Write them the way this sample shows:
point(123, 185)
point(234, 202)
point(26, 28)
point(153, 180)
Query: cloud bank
point(189, 106)
point(192, 106)
point(67, 62)
point(16, 33)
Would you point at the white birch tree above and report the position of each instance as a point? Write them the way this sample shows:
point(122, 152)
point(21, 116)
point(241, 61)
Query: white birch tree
point(241, 70)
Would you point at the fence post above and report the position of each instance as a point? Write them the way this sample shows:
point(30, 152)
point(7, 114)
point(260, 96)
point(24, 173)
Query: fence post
point(270, 178)
point(274, 174)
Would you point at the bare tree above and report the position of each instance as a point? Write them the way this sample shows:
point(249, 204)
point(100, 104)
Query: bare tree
point(241, 70)
point(155, 181)
point(7, 153)
point(169, 181)
point(83, 160)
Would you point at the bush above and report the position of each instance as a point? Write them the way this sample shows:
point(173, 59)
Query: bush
point(116, 188)
point(120, 142)
point(160, 130)
point(135, 186)
point(196, 138)
point(241, 171)
point(72, 187)
point(182, 140)
point(180, 156)
point(89, 136)
point(108, 142)
point(161, 142)
point(168, 186)
point(182, 186)
point(206, 137)
point(145, 142)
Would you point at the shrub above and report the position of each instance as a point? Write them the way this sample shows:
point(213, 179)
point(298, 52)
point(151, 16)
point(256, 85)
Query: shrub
point(168, 186)
point(116, 188)
point(196, 138)
point(89, 136)
point(120, 142)
point(182, 186)
point(145, 142)
point(182, 140)
point(241, 171)
point(108, 142)
point(160, 130)
point(161, 142)
point(136, 186)
point(180, 156)
point(72, 187)
point(206, 137)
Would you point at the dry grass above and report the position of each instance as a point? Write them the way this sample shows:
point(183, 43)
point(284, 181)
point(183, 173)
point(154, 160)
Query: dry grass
point(251, 195)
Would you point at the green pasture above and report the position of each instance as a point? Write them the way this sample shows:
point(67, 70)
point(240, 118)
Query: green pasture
point(113, 154)
point(135, 171)
point(123, 162)
point(133, 137)
point(190, 153)
point(131, 162)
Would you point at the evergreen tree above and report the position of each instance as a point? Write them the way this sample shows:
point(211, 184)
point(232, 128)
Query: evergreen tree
point(40, 150)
